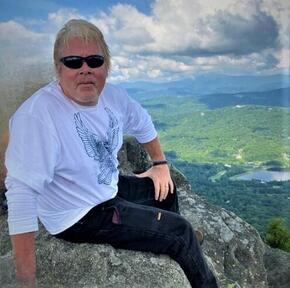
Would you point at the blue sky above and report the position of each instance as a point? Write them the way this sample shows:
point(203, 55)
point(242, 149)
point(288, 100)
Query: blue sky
point(158, 39)
point(16, 9)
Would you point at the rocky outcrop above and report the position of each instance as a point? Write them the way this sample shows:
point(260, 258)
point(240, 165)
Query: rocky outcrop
point(3, 145)
point(277, 263)
point(62, 264)
point(232, 248)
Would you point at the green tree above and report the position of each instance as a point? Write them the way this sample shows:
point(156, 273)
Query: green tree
point(278, 236)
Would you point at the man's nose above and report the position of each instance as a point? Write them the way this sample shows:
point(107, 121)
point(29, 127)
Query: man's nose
point(85, 69)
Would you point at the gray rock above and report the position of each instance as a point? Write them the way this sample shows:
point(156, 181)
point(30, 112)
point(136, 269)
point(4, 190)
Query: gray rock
point(132, 158)
point(277, 263)
point(232, 248)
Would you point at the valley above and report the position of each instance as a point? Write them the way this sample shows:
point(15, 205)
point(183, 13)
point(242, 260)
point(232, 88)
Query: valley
point(212, 144)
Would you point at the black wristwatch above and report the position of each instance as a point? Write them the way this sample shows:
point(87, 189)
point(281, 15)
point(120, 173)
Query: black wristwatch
point(158, 162)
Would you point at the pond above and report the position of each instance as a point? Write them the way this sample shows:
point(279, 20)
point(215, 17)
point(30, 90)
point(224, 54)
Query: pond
point(265, 175)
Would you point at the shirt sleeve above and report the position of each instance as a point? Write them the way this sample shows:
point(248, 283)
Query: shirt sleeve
point(138, 122)
point(30, 160)
point(21, 199)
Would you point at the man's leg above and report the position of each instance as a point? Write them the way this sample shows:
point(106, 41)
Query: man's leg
point(142, 191)
point(138, 227)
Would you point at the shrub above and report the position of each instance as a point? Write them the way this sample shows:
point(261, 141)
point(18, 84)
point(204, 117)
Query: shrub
point(278, 236)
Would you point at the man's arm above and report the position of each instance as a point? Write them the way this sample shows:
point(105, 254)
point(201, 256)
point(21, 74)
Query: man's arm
point(160, 174)
point(24, 256)
point(22, 222)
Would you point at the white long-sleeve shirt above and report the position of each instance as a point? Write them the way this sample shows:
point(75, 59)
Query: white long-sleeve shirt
point(62, 157)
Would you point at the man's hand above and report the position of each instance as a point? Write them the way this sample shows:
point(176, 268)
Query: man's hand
point(160, 174)
point(24, 254)
point(162, 181)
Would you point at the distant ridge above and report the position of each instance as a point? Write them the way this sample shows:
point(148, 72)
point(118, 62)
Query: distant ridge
point(273, 98)
point(206, 84)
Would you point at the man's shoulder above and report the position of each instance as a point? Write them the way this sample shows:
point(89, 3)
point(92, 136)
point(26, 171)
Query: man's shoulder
point(114, 89)
point(39, 100)
point(115, 95)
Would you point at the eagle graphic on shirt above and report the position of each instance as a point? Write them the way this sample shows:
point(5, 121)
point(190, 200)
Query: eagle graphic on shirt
point(99, 149)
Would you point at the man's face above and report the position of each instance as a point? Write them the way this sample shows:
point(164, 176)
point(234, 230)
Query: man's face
point(83, 85)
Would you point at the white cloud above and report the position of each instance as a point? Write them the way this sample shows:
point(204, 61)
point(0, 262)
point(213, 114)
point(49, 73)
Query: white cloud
point(130, 26)
point(179, 38)
point(57, 19)
point(153, 67)
point(195, 27)
point(235, 31)
point(284, 59)
point(17, 43)
point(12, 31)
point(280, 11)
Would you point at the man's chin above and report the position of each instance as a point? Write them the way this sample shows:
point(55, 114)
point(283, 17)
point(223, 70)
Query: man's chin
point(88, 99)
point(88, 92)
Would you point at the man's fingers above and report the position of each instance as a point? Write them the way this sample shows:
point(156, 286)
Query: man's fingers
point(171, 185)
point(163, 192)
point(166, 190)
point(157, 190)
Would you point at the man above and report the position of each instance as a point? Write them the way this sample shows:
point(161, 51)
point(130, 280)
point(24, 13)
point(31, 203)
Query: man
point(62, 166)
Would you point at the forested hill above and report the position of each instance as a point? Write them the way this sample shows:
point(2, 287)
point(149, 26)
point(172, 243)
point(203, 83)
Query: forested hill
point(213, 127)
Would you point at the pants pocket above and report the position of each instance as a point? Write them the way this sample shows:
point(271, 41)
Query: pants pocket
point(135, 215)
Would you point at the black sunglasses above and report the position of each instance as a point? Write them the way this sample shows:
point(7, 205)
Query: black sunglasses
point(76, 62)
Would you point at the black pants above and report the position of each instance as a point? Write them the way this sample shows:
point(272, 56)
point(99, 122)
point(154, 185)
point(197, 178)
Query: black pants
point(134, 220)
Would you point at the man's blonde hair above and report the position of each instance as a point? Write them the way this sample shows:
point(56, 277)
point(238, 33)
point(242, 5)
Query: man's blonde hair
point(84, 30)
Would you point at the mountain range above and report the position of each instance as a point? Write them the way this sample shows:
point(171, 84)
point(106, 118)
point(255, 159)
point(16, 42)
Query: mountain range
point(277, 98)
point(206, 84)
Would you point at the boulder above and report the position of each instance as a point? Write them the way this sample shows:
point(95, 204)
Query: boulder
point(63, 264)
point(3, 145)
point(232, 248)
point(277, 263)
